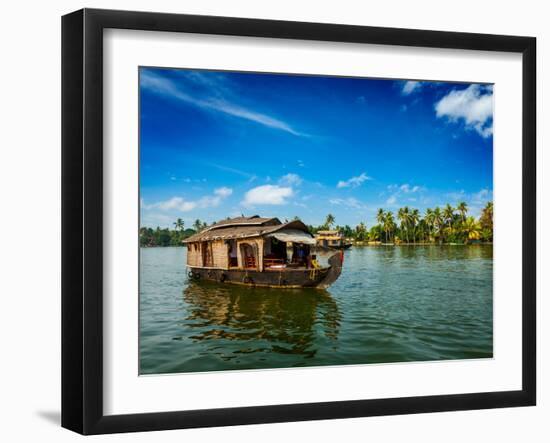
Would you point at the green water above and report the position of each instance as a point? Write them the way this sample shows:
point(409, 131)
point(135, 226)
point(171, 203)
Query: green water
point(391, 304)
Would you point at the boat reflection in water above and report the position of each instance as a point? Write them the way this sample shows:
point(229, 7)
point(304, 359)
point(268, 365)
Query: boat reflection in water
point(283, 328)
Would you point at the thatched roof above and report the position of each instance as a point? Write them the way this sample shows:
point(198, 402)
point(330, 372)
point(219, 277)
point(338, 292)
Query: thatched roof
point(244, 227)
point(328, 232)
point(255, 220)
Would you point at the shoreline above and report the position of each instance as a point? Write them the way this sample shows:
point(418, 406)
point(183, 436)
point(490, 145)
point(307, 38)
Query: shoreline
point(362, 245)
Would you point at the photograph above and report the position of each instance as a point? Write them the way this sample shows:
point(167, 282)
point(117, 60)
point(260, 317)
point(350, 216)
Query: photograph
point(291, 220)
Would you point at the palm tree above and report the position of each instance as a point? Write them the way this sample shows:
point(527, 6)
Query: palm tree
point(360, 231)
point(404, 217)
point(429, 219)
point(179, 224)
point(414, 218)
point(329, 220)
point(380, 218)
point(389, 223)
point(486, 218)
point(463, 209)
point(422, 228)
point(448, 215)
point(197, 225)
point(437, 220)
point(471, 229)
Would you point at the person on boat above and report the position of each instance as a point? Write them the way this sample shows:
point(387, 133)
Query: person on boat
point(300, 254)
point(314, 263)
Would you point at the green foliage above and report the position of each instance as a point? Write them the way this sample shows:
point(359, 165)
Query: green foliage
point(447, 225)
point(450, 225)
point(329, 221)
point(167, 237)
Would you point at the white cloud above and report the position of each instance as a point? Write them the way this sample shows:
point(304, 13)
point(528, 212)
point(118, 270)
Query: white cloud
point(164, 86)
point(398, 191)
point(406, 188)
point(291, 179)
point(152, 219)
point(353, 182)
point(483, 196)
point(267, 195)
point(182, 205)
point(176, 203)
point(223, 192)
point(410, 86)
point(473, 106)
point(349, 202)
point(476, 201)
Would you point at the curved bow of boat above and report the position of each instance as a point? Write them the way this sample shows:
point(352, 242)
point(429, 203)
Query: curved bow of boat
point(335, 261)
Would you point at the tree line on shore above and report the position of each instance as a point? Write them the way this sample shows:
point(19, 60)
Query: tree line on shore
point(169, 237)
point(438, 225)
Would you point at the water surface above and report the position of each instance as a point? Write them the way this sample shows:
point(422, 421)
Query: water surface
point(391, 304)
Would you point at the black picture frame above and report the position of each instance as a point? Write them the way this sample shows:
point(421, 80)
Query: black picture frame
point(82, 218)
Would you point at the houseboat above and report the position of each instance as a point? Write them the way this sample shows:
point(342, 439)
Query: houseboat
point(258, 251)
point(331, 239)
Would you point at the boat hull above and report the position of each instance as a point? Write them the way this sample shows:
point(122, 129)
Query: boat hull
point(335, 247)
point(284, 278)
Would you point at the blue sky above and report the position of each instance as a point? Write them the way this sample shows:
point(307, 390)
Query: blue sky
point(219, 144)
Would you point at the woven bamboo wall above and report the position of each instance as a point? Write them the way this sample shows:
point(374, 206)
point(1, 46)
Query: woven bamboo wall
point(194, 254)
point(221, 254)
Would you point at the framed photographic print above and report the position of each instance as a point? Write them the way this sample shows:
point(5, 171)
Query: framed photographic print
point(269, 221)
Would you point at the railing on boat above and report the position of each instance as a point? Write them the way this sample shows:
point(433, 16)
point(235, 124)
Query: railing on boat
point(250, 262)
point(268, 262)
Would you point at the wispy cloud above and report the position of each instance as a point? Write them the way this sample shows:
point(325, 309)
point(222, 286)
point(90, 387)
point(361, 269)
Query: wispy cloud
point(154, 218)
point(353, 182)
point(410, 86)
point(183, 205)
point(223, 192)
point(473, 106)
point(406, 188)
point(268, 195)
point(167, 87)
point(400, 191)
point(291, 180)
point(347, 202)
point(475, 200)
point(233, 170)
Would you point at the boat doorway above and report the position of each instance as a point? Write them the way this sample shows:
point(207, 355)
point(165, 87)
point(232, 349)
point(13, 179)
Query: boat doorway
point(248, 254)
point(232, 253)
